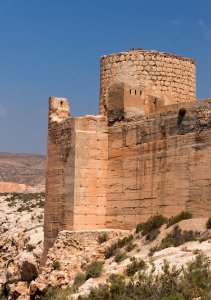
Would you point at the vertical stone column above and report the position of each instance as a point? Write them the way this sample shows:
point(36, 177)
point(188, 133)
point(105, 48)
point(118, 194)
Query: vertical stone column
point(58, 152)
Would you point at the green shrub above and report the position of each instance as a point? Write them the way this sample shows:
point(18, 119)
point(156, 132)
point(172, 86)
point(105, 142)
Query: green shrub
point(150, 225)
point(152, 235)
point(196, 280)
point(152, 250)
point(176, 296)
point(117, 283)
point(11, 204)
point(79, 279)
point(184, 215)
point(208, 224)
point(124, 241)
point(22, 208)
point(134, 267)
point(30, 247)
point(204, 237)
point(102, 237)
point(171, 283)
point(178, 237)
point(57, 294)
point(130, 247)
point(119, 256)
point(94, 269)
point(56, 265)
point(110, 251)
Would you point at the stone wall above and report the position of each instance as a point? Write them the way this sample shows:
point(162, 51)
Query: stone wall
point(91, 154)
point(60, 156)
point(160, 165)
point(147, 153)
point(162, 75)
point(76, 173)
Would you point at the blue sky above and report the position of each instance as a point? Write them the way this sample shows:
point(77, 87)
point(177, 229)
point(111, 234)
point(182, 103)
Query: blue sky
point(53, 47)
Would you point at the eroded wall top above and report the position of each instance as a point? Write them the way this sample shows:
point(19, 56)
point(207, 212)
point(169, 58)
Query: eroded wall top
point(165, 76)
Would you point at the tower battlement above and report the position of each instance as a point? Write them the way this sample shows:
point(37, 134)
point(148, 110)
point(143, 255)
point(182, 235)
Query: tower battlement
point(156, 78)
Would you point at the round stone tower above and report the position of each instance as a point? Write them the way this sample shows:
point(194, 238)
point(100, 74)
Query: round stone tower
point(151, 75)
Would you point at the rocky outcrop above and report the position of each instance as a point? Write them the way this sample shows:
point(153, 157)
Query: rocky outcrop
point(21, 243)
point(73, 251)
point(70, 253)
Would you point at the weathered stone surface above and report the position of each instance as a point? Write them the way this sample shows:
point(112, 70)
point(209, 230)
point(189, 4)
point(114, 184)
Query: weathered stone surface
point(164, 76)
point(76, 172)
point(157, 166)
point(149, 152)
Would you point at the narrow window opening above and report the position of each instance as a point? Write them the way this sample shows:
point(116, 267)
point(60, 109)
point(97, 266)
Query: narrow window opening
point(140, 93)
point(61, 103)
point(135, 92)
point(130, 91)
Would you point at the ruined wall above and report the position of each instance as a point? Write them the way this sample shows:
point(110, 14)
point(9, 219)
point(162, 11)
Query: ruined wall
point(60, 154)
point(168, 77)
point(160, 165)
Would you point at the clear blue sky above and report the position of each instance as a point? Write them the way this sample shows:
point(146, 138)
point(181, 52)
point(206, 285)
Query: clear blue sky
point(53, 47)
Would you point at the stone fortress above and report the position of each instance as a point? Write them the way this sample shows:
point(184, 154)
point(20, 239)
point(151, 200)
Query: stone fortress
point(148, 152)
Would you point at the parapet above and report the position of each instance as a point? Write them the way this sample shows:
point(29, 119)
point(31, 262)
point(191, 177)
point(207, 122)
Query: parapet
point(58, 108)
point(157, 78)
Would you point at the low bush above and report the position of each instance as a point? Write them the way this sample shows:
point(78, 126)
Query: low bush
point(135, 266)
point(79, 279)
point(152, 250)
point(130, 247)
point(102, 237)
point(177, 296)
point(30, 247)
point(110, 251)
point(119, 255)
point(204, 237)
point(150, 225)
point(57, 294)
point(152, 235)
point(208, 224)
point(56, 265)
point(197, 277)
point(184, 215)
point(124, 241)
point(94, 269)
point(176, 238)
point(187, 283)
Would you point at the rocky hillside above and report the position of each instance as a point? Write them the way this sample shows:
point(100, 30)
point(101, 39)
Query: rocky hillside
point(21, 241)
point(28, 169)
point(80, 261)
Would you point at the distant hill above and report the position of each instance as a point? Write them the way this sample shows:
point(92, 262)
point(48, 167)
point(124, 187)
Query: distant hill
point(23, 168)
